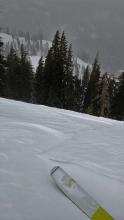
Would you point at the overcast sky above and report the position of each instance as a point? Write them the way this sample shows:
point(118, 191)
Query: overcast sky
point(92, 25)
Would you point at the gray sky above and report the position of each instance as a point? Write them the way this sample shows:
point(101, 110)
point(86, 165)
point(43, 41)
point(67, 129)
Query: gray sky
point(92, 25)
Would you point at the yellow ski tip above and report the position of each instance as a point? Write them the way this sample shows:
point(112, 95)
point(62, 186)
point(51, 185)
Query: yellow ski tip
point(101, 214)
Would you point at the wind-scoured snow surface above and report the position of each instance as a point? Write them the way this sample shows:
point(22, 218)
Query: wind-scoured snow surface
point(34, 139)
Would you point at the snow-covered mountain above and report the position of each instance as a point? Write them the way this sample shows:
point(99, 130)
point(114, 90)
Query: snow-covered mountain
point(34, 47)
point(34, 139)
point(92, 25)
point(37, 48)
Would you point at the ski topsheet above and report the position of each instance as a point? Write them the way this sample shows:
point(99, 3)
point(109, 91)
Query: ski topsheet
point(78, 195)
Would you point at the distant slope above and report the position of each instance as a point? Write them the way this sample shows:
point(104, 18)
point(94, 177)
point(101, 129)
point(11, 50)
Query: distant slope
point(34, 139)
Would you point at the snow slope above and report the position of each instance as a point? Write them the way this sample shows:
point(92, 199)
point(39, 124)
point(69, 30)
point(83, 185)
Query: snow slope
point(34, 139)
point(6, 38)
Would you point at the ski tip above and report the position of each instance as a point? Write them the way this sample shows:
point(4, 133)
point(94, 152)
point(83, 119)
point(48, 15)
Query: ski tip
point(54, 169)
point(101, 214)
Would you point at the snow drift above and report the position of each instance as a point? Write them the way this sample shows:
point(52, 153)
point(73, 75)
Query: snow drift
point(34, 139)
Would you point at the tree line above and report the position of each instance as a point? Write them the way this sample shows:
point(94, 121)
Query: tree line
point(55, 84)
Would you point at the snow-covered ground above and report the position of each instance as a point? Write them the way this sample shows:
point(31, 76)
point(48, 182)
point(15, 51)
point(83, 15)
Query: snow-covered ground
point(34, 139)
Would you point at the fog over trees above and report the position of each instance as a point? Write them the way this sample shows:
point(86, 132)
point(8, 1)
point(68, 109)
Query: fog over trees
point(92, 25)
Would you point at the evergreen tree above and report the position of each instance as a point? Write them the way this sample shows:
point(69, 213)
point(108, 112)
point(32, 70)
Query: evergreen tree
point(39, 83)
point(60, 57)
point(63, 69)
point(19, 76)
point(91, 104)
point(2, 72)
point(58, 79)
point(13, 68)
point(77, 97)
point(25, 86)
point(85, 82)
point(68, 79)
point(118, 104)
point(53, 74)
point(48, 98)
point(104, 96)
point(113, 88)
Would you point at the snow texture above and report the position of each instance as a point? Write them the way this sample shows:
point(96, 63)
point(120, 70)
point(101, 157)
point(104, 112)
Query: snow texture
point(34, 139)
